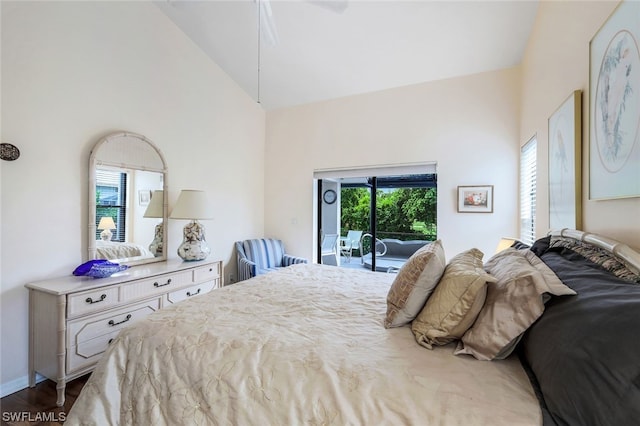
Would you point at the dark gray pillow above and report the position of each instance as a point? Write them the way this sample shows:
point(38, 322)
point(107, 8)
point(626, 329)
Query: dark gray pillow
point(584, 349)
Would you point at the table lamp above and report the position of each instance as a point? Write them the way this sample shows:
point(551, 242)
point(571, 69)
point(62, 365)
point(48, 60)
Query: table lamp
point(155, 210)
point(106, 224)
point(505, 243)
point(192, 205)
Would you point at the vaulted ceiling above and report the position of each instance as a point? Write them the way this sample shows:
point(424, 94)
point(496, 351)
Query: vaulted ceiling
point(313, 50)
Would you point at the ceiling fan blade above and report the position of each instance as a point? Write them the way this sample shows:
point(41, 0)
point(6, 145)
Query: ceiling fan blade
point(268, 30)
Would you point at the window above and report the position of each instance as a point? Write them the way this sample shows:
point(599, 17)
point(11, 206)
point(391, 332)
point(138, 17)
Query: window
point(528, 191)
point(111, 200)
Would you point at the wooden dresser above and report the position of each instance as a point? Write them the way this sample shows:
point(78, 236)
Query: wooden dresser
point(72, 319)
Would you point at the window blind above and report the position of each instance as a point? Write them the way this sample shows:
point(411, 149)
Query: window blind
point(111, 200)
point(528, 155)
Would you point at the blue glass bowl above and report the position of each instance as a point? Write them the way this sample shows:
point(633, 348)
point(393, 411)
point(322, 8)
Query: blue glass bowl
point(103, 270)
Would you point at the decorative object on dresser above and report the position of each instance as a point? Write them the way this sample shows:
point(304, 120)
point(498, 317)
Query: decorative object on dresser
point(614, 106)
point(99, 268)
point(565, 159)
point(74, 319)
point(122, 166)
point(106, 224)
point(155, 209)
point(192, 205)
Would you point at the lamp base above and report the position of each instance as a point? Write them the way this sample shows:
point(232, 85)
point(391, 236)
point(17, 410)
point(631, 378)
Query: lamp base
point(194, 246)
point(157, 247)
point(106, 235)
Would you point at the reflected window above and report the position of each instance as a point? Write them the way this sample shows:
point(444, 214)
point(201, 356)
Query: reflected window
point(111, 200)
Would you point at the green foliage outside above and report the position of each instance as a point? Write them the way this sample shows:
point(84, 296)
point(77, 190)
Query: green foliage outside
point(403, 213)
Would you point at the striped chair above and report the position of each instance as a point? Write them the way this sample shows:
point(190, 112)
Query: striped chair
point(262, 255)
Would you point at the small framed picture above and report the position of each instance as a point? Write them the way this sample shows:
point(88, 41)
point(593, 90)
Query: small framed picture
point(144, 196)
point(475, 199)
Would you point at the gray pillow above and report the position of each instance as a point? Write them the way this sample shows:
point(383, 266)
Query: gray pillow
point(512, 305)
point(414, 283)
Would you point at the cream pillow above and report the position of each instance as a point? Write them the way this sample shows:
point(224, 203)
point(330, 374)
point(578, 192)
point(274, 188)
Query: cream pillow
point(514, 302)
point(414, 283)
point(455, 303)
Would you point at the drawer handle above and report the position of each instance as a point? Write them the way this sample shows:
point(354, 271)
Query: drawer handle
point(193, 294)
point(91, 301)
point(112, 323)
point(162, 285)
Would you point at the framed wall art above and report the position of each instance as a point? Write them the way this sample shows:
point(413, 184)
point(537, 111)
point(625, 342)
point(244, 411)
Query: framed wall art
point(475, 199)
point(614, 105)
point(144, 196)
point(565, 158)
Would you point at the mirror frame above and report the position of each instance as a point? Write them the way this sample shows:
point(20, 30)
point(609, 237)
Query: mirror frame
point(94, 162)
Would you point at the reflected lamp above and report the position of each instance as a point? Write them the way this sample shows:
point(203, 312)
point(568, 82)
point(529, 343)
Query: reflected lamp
point(106, 224)
point(155, 210)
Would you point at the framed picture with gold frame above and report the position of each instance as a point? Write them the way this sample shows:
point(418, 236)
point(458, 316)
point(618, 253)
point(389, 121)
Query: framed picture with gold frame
point(565, 160)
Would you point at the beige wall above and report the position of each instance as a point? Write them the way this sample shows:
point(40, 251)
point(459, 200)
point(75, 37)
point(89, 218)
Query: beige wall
point(469, 125)
point(557, 63)
point(74, 71)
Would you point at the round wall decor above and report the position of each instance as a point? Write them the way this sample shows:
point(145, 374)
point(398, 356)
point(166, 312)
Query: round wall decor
point(329, 196)
point(9, 152)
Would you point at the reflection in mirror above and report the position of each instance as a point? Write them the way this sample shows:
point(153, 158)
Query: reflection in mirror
point(155, 210)
point(127, 197)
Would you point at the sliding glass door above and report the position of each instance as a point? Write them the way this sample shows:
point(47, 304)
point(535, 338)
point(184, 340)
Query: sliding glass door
point(391, 216)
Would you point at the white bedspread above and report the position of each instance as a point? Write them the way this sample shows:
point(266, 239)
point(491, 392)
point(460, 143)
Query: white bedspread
point(304, 345)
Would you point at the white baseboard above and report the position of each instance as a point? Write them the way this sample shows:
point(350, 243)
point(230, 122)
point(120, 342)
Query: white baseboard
point(17, 385)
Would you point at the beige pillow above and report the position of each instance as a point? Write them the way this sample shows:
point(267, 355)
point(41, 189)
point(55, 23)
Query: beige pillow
point(414, 283)
point(455, 303)
point(512, 305)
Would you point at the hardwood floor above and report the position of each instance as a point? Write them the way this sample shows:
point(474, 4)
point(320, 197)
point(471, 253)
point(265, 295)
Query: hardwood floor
point(37, 406)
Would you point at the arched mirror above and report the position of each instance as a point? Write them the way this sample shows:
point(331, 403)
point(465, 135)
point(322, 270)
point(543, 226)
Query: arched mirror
point(127, 200)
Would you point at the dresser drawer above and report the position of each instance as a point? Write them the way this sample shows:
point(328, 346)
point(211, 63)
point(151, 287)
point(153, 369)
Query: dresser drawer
point(92, 301)
point(88, 328)
point(157, 285)
point(88, 353)
point(195, 290)
point(206, 273)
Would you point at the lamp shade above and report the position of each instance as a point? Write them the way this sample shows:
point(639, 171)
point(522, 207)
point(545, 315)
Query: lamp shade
point(192, 205)
point(155, 209)
point(106, 222)
point(505, 243)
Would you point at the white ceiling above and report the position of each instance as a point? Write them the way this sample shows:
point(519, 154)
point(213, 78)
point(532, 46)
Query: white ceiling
point(333, 49)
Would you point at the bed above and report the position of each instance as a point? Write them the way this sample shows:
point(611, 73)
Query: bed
point(118, 250)
point(317, 344)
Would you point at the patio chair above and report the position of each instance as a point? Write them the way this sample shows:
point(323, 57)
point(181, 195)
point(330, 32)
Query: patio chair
point(349, 243)
point(259, 256)
point(330, 247)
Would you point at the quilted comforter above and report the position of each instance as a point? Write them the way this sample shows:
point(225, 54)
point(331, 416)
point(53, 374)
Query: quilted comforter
point(303, 345)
